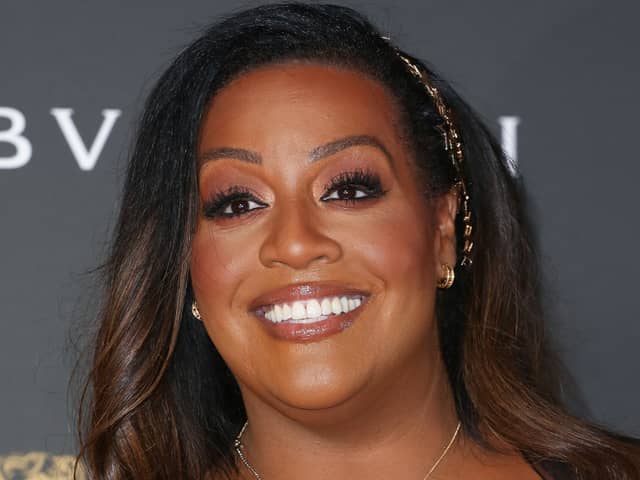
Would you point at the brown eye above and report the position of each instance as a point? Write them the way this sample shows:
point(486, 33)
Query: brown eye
point(240, 206)
point(354, 186)
point(349, 193)
point(346, 193)
point(234, 202)
point(237, 207)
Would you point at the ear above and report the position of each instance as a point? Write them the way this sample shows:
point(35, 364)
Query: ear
point(445, 211)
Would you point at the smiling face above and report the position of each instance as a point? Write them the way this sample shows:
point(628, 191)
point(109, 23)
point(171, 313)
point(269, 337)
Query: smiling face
point(309, 203)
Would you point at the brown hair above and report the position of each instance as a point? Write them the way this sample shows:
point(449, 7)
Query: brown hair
point(160, 402)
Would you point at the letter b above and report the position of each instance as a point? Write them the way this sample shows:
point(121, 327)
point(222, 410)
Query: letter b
point(13, 135)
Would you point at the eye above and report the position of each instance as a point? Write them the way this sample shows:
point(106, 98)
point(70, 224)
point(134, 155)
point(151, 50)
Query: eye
point(239, 206)
point(348, 193)
point(233, 202)
point(353, 186)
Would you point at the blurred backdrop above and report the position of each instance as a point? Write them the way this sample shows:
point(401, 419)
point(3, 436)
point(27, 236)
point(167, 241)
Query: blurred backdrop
point(557, 81)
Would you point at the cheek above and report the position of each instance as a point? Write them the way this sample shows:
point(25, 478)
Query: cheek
point(398, 248)
point(399, 253)
point(218, 263)
point(218, 266)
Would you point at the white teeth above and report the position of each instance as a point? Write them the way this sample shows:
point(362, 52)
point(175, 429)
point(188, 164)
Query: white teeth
point(326, 306)
point(336, 307)
point(345, 304)
point(298, 311)
point(278, 313)
point(312, 310)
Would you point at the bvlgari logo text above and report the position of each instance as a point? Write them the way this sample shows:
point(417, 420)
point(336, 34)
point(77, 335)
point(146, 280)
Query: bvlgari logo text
point(86, 153)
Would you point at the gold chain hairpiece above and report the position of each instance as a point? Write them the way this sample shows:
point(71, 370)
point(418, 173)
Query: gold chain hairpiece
point(453, 145)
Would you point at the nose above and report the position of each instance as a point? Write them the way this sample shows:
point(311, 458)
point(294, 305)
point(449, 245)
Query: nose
point(296, 240)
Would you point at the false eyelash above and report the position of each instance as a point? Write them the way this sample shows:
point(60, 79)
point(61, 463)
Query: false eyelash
point(366, 180)
point(219, 200)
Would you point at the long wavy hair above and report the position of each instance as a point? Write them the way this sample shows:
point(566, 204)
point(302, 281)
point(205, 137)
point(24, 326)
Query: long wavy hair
point(159, 401)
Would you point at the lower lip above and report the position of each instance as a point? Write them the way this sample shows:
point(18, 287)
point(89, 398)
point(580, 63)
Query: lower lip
point(311, 332)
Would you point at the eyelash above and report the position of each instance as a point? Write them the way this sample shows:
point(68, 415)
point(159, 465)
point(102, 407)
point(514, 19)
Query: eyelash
point(365, 181)
point(219, 201)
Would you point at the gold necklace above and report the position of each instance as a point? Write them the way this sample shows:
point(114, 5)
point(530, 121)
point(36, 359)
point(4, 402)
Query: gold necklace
point(239, 447)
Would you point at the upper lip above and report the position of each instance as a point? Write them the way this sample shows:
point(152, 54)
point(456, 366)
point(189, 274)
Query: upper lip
point(304, 291)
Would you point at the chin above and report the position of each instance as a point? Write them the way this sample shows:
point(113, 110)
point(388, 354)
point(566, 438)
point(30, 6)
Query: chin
point(318, 389)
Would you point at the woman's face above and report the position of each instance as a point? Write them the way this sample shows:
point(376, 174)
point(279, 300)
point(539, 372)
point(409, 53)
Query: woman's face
point(315, 258)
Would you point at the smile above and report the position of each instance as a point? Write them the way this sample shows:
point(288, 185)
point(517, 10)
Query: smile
point(310, 311)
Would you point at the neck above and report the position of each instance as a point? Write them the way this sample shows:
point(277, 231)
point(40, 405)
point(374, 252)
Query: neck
point(397, 429)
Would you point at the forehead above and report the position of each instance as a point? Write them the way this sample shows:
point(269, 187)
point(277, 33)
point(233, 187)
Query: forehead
point(309, 103)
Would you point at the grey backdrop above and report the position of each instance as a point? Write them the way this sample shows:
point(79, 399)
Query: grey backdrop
point(568, 69)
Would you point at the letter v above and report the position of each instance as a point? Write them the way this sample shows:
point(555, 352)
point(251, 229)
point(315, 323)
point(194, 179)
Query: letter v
point(86, 158)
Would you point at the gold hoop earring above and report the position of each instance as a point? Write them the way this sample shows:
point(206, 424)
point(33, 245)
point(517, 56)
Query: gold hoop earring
point(446, 281)
point(194, 310)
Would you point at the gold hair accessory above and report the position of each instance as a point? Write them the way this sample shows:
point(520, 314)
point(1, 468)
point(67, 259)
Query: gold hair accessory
point(449, 276)
point(453, 145)
point(239, 448)
point(194, 310)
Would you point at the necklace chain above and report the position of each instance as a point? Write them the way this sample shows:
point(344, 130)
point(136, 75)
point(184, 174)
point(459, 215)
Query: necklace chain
point(239, 447)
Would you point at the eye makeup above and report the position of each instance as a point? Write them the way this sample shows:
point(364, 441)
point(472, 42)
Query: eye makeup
point(231, 202)
point(348, 187)
point(352, 186)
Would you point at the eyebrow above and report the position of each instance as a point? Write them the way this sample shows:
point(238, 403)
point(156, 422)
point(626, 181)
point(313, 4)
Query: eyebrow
point(316, 154)
point(229, 152)
point(343, 143)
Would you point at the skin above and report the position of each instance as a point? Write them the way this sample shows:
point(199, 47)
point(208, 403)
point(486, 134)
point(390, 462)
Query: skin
point(371, 401)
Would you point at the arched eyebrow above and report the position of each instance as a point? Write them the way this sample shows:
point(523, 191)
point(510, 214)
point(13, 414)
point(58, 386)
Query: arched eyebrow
point(316, 154)
point(334, 147)
point(229, 152)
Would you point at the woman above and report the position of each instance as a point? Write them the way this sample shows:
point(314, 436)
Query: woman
point(323, 269)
